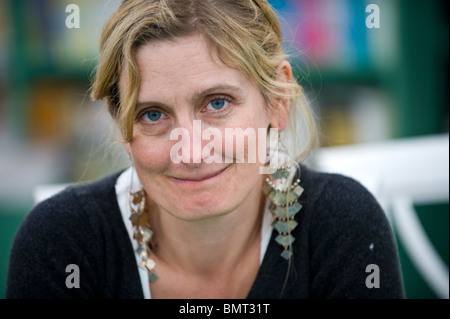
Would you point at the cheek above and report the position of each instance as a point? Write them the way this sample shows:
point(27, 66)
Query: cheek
point(247, 142)
point(149, 154)
point(246, 180)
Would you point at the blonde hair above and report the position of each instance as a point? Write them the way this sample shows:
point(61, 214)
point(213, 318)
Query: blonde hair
point(246, 35)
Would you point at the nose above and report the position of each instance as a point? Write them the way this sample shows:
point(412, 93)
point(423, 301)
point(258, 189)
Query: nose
point(188, 149)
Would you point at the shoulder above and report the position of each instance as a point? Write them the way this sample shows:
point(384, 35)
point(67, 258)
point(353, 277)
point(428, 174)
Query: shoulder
point(337, 205)
point(325, 184)
point(336, 192)
point(346, 231)
point(70, 227)
point(98, 189)
point(72, 208)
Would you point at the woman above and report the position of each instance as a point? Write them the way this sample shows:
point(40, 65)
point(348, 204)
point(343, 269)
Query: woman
point(191, 85)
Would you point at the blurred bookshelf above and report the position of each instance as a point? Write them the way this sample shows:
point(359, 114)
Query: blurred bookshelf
point(364, 84)
point(50, 69)
point(397, 74)
point(401, 68)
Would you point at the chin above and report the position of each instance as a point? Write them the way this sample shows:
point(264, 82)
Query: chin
point(199, 207)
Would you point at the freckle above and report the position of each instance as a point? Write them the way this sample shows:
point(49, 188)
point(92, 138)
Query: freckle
point(371, 246)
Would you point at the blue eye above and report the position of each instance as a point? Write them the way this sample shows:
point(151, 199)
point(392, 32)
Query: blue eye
point(218, 104)
point(153, 116)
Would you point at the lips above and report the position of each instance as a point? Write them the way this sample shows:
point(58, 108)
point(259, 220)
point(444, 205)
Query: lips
point(202, 177)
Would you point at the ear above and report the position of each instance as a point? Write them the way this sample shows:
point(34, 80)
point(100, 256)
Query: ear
point(111, 107)
point(127, 148)
point(280, 109)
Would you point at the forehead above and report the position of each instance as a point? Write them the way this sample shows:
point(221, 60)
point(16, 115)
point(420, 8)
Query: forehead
point(179, 57)
point(181, 65)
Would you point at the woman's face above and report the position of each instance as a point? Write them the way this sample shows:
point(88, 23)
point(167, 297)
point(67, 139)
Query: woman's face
point(186, 91)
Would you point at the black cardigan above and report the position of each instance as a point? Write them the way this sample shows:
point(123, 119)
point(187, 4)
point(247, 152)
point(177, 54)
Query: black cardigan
point(342, 230)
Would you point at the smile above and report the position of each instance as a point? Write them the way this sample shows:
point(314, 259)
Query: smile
point(199, 179)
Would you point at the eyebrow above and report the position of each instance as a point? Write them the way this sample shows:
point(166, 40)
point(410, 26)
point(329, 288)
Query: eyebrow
point(236, 89)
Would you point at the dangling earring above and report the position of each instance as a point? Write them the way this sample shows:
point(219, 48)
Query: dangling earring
point(283, 196)
point(142, 231)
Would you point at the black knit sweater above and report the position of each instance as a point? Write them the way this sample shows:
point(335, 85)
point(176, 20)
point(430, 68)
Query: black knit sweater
point(342, 230)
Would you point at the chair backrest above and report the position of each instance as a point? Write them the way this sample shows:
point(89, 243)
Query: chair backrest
point(400, 174)
point(42, 192)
